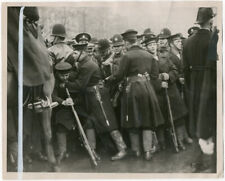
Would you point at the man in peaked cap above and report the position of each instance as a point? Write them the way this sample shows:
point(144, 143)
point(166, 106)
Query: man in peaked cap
point(83, 38)
point(60, 51)
point(138, 96)
point(177, 59)
point(64, 118)
point(148, 34)
point(151, 45)
point(82, 41)
point(200, 62)
point(88, 81)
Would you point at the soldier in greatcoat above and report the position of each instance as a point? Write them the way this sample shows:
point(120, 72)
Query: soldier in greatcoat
point(168, 73)
point(63, 116)
point(200, 62)
point(140, 110)
point(176, 58)
point(88, 82)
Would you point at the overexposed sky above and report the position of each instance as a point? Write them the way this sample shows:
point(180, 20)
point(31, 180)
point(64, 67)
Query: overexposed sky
point(176, 15)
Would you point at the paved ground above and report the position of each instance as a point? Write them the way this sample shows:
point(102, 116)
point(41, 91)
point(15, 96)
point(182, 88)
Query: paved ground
point(163, 162)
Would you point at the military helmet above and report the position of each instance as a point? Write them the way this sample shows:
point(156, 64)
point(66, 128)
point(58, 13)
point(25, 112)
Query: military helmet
point(103, 44)
point(164, 33)
point(59, 30)
point(117, 40)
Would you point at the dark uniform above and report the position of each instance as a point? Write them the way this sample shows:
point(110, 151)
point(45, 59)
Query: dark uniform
point(192, 30)
point(60, 51)
point(178, 108)
point(97, 100)
point(200, 55)
point(139, 105)
point(175, 55)
point(199, 69)
point(63, 116)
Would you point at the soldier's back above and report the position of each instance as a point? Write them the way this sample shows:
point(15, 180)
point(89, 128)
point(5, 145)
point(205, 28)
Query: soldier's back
point(140, 61)
point(196, 48)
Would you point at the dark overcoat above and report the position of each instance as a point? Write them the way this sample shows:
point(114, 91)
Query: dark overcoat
point(178, 62)
point(89, 76)
point(200, 76)
point(178, 107)
point(139, 104)
point(63, 114)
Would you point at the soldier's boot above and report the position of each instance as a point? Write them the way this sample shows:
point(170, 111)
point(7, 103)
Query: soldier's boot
point(161, 138)
point(121, 146)
point(147, 144)
point(155, 143)
point(61, 137)
point(92, 141)
point(180, 137)
point(135, 143)
point(187, 139)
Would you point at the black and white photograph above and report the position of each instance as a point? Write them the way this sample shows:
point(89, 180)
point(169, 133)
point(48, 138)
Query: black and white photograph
point(112, 87)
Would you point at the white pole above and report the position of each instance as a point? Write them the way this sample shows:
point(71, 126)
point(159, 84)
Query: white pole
point(20, 93)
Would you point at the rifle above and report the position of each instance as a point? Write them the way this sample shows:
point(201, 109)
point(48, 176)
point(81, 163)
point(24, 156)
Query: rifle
point(98, 96)
point(82, 134)
point(172, 130)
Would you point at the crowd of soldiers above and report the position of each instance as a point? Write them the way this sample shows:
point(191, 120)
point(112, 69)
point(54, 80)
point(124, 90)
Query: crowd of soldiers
point(131, 82)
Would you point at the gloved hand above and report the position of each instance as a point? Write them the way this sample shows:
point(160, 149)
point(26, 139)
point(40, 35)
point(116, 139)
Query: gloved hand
point(62, 85)
point(68, 102)
point(164, 84)
point(181, 80)
point(207, 146)
point(164, 76)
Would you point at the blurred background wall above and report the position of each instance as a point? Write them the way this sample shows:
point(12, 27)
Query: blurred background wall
point(106, 19)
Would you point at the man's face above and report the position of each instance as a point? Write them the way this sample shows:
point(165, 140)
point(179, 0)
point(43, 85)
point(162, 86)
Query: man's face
point(211, 23)
point(177, 43)
point(63, 77)
point(127, 45)
point(152, 47)
point(163, 54)
point(162, 42)
point(103, 53)
point(117, 49)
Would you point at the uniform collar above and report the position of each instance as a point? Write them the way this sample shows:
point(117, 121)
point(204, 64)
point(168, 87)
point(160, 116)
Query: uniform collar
point(134, 47)
point(175, 52)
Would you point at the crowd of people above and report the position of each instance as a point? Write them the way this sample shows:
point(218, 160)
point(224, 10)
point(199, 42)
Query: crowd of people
point(158, 88)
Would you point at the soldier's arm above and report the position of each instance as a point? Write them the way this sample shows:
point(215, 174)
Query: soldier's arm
point(173, 73)
point(122, 70)
point(55, 96)
point(154, 76)
point(82, 80)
